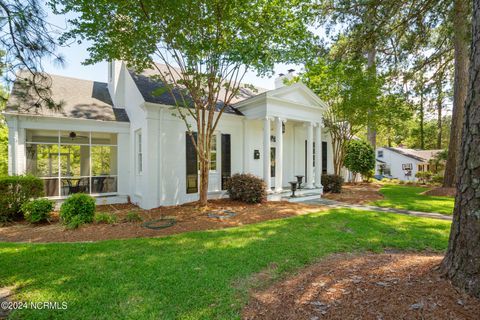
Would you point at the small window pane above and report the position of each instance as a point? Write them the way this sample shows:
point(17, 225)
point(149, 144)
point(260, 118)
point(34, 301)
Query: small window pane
point(213, 153)
point(74, 137)
point(42, 160)
point(104, 138)
point(45, 136)
point(51, 187)
point(74, 161)
point(104, 184)
point(104, 161)
point(75, 185)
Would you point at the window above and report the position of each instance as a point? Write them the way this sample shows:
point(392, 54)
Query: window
point(213, 153)
point(380, 153)
point(138, 146)
point(70, 162)
point(384, 169)
point(423, 167)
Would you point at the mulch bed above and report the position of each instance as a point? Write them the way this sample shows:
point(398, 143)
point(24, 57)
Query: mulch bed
point(368, 286)
point(189, 217)
point(441, 192)
point(359, 193)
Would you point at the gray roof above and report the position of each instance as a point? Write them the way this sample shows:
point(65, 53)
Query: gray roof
point(79, 99)
point(147, 85)
point(417, 154)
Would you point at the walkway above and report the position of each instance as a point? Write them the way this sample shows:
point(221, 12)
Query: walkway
point(337, 204)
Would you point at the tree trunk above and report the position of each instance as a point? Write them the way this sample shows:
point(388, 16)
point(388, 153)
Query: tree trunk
point(439, 112)
point(371, 129)
point(460, 43)
point(422, 120)
point(204, 172)
point(462, 261)
point(204, 142)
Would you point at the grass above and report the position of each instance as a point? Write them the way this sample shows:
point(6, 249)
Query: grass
point(196, 275)
point(410, 198)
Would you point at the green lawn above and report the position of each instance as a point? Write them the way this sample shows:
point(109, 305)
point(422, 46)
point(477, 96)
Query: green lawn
point(409, 198)
point(197, 275)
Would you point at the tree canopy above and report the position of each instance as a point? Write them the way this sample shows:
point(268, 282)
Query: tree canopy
point(206, 46)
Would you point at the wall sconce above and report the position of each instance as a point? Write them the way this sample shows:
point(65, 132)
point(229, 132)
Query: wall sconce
point(283, 127)
point(256, 154)
point(72, 135)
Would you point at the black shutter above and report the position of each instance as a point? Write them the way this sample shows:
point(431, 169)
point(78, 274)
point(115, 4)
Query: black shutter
point(192, 164)
point(324, 157)
point(226, 159)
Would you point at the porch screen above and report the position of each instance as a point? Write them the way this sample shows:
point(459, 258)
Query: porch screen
point(226, 159)
point(71, 161)
point(192, 164)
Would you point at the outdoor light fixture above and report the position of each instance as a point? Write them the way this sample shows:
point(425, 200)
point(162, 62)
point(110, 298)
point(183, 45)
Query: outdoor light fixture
point(73, 135)
point(256, 154)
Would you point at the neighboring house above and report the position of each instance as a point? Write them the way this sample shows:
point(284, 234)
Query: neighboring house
point(120, 143)
point(403, 163)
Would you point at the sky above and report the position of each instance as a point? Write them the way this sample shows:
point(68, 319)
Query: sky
point(76, 53)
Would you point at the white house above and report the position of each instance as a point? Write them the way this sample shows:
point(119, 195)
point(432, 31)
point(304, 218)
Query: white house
point(403, 163)
point(120, 143)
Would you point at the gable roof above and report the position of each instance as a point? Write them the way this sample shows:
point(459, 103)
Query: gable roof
point(420, 155)
point(146, 85)
point(79, 99)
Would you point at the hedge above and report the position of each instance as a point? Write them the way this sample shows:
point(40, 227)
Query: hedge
point(247, 188)
point(332, 183)
point(15, 191)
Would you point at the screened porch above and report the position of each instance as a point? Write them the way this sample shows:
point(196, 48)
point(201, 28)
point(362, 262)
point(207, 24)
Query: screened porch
point(71, 162)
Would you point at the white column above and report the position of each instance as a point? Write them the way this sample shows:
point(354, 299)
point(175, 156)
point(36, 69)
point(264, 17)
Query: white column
point(279, 154)
point(12, 146)
point(310, 174)
point(266, 152)
point(318, 155)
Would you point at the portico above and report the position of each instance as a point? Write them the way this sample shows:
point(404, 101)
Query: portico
point(291, 120)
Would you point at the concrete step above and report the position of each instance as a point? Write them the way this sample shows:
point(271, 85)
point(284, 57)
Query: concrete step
point(301, 195)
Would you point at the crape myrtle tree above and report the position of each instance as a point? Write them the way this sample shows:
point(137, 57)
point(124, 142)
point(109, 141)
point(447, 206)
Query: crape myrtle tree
point(462, 261)
point(26, 40)
point(206, 46)
point(349, 89)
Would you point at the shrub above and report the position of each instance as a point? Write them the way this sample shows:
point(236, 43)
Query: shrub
point(332, 183)
point(38, 210)
point(133, 216)
point(424, 176)
point(359, 158)
point(437, 179)
point(367, 177)
point(75, 222)
point(103, 217)
point(247, 188)
point(77, 209)
point(15, 191)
